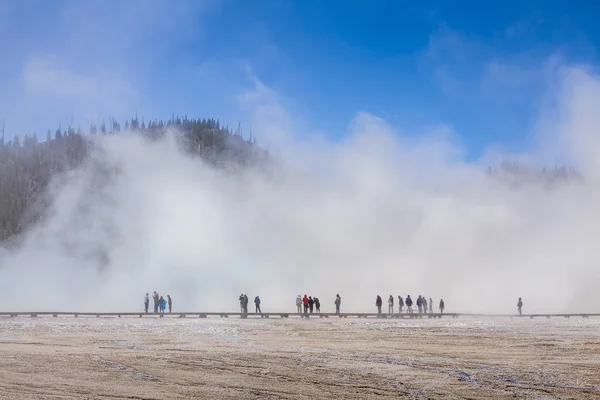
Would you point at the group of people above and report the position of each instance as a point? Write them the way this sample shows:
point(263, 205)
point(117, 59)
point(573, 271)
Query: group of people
point(423, 305)
point(309, 303)
point(160, 303)
point(244, 304)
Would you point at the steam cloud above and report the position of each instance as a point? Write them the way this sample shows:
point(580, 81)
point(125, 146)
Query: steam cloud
point(376, 213)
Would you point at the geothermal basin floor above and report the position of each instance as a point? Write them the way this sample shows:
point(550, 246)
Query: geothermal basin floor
point(173, 358)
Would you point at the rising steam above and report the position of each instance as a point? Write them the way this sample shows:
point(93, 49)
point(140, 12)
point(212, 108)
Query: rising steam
point(376, 213)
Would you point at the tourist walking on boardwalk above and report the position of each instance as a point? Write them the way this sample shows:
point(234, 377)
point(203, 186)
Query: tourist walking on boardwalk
point(305, 303)
point(257, 304)
point(430, 306)
point(318, 305)
point(391, 305)
point(170, 302)
point(338, 303)
point(378, 303)
point(311, 304)
point(241, 299)
point(409, 304)
point(420, 304)
point(299, 303)
point(520, 306)
point(146, 302)
point(424, 305)
point(156, 298)
point(400, 304)
point(442, 306)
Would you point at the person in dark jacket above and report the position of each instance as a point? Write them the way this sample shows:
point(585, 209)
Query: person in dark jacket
point(245, 304)
point(170, 302)
point(442, 306)
point(391, 304)
point(378, 303)
point(257, 304)
point(241, 299)
point(420, 304)
point(311, 304)
point(400, 304)
point(409, 304)
point(317, 305)
point(520, 306)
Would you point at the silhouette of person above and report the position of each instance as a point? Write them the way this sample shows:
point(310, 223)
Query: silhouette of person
point(520, 306)
point(146, 302)
point(338, 303)
point(257, 304)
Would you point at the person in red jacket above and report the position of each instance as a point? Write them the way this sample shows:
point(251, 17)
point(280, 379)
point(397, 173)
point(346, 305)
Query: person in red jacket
point(305, 302)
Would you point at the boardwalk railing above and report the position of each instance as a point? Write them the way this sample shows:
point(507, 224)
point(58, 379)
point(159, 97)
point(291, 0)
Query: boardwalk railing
point(285, 315)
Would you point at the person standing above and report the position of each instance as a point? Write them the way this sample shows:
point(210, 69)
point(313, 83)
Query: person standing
point(391, 304)
point(305, 303)
point(245, 304)
point(156, 299)
point(146, 302)
point(338, 303)
point(520, 306)
point(299, 303)
point(409, 304)
point(378, 303)
point(420, 304)
point(400, 304)
point(257, 304)
point(442, 306)
point(430, 306)
point(424, 305)
point(241, 299)
point(170, 302)
point(318, 305)
point(311, 304)
point(162, 303)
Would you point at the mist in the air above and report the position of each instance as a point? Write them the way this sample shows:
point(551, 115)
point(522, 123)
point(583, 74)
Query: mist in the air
point(376, 213)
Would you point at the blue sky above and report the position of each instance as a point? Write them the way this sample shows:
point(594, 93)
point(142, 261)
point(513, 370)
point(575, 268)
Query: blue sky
point(480, 69)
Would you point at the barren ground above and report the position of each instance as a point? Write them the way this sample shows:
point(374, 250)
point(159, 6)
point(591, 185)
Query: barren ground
point(172, 358)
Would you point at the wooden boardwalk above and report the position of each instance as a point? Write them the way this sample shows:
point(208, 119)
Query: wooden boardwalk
point(282, 315)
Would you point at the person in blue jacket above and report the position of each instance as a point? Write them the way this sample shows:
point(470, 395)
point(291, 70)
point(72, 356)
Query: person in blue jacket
point(420, 304)
point(162, 303)
point(257, 304)
point(409, 304)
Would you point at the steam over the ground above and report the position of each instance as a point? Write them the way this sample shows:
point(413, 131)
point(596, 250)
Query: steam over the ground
point(374, 214)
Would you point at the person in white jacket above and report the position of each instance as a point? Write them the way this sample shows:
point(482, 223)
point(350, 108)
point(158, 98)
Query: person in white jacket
point(299, 303)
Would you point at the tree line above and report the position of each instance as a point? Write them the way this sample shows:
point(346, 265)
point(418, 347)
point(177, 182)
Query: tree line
point(28, 164)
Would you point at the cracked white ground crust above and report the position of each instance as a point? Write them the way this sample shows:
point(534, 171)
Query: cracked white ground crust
point(171, 358)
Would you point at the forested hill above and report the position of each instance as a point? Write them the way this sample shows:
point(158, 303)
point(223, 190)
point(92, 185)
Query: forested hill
point(26, 164)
